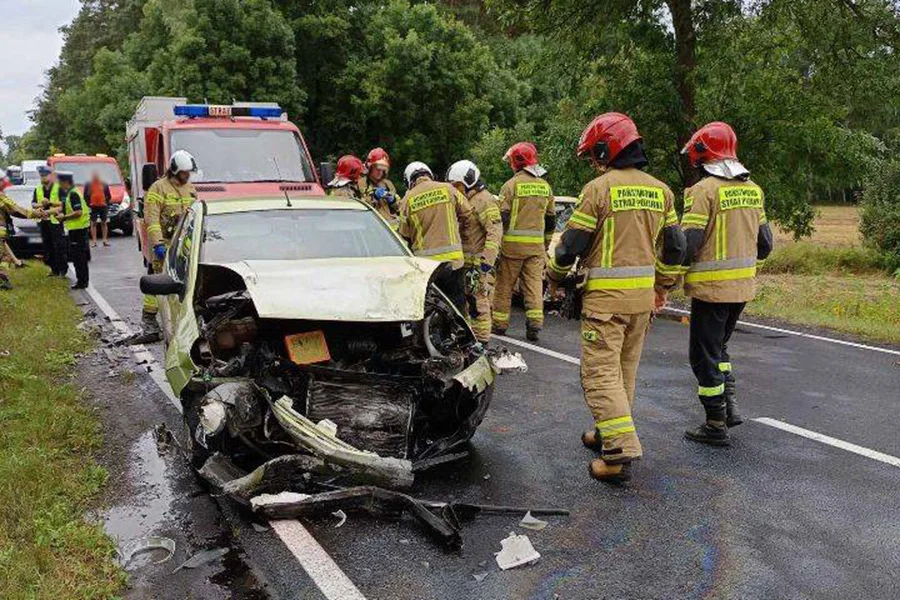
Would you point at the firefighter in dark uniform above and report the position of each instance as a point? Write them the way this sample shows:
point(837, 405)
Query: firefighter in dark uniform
point(728, 236)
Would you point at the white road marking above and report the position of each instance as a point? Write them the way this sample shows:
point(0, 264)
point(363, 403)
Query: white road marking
point(532, 347)
point(825, 439)
point(819, 437)
point(320, 567)
point(801, 334)
point(141, 354)
point(325, 573)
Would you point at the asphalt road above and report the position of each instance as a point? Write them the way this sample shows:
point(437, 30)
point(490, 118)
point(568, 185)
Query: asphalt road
point(776, 515)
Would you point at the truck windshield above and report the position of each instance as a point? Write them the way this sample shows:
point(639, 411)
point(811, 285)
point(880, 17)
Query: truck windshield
point(244, 155)
point(296, 235)
point(84, 170)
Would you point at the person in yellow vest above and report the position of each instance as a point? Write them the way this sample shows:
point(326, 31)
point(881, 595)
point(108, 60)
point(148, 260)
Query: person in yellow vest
point(47, 190)
point(346, 178)
point(434, 220)
point(625, 232)
point(376, 189)
point(528, 211)
point(165, 202)
point(728, 235)
point(9, 208)
point(482, 247)
point(75, 215)
point(56, 245)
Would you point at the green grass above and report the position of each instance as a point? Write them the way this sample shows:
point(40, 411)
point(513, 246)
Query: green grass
point(808, 258)
point(48, 475)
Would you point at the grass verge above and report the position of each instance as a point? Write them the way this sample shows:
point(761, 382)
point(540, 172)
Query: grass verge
point(48, 475)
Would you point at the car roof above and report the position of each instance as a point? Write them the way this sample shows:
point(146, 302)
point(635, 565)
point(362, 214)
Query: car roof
point(236, 205)
point(81, 158)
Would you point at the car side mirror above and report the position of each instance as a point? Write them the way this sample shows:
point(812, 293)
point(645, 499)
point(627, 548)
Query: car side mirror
point(326, 172)
point(160, 284)
point(149, 174)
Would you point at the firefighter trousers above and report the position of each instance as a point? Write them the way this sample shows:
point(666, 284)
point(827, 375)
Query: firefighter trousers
point(150, 304)
point(480, 295)
point(611, 347)
point(712, 324)
point(530, 273)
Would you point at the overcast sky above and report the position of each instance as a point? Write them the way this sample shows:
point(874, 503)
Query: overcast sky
point(30, 43)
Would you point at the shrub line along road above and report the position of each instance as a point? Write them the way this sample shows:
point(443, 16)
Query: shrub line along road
point(803, 505)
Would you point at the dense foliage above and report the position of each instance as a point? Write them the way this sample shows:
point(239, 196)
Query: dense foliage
point(881, 213)
point(811, 86)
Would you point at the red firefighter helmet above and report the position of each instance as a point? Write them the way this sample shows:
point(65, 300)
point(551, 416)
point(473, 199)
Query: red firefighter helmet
point(4, 183)
point(521, 155)
point(378, 157)
point(714, 141)
point(349, 167)
point(606, 136)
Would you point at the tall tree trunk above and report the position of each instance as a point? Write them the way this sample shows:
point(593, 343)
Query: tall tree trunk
point(685, 66)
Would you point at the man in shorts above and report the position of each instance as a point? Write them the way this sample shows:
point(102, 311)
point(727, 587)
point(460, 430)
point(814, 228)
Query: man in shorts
point(96, 192)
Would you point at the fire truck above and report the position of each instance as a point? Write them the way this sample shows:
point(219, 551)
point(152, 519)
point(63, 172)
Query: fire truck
point(247, 149)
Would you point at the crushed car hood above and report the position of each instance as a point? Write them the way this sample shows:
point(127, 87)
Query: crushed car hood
point(346, 289)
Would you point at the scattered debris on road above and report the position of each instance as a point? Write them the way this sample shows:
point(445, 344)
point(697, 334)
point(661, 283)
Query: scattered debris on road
point(516, 550)
point(147, 544)
point(529, 522)
point(507, 362)
point(341, 517)
point(201, 558)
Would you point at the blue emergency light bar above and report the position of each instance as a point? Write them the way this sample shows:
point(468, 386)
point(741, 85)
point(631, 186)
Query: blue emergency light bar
point(224, 111)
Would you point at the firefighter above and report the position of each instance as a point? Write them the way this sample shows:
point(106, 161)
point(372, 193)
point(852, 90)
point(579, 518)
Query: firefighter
point(46, 197)
point(47, 190)
point(481, 248)
point(435, 219)
point(9, 208)
point(625, 232)
point(75, 215)
point(166, 200)
point(376, 189)
point(529, 220)
point(728, 236)
point(346, 179)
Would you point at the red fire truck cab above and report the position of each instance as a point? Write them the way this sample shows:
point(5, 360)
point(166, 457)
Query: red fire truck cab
point(242, 150)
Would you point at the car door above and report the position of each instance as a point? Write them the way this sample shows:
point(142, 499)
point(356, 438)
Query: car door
point(177, 310)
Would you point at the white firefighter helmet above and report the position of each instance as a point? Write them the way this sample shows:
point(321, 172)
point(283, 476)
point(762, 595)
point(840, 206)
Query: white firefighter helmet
point(464, 172)
point(414, 170)
point(182, 161)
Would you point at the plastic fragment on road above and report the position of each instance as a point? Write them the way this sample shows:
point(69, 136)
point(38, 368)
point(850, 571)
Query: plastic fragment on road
point(203, 557)
point(516, 550)
point(529, 522)
point(507, 362)
point(479, 577)
point(276, 499)
point(147, 544)
point(341, 516)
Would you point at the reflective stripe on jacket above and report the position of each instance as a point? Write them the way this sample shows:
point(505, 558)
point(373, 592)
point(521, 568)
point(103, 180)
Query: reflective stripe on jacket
point(483, 243)
point(72, 202)
point(164, 204)
point(528, 200)
point(729, 212)
point(54, 199)
point(430, 218)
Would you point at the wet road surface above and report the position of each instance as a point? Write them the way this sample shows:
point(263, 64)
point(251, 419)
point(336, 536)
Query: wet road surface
point(775, 515)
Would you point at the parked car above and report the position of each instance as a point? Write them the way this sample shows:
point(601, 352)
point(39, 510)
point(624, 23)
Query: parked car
point(83, 166)
point(25, 235)
point(319, 311)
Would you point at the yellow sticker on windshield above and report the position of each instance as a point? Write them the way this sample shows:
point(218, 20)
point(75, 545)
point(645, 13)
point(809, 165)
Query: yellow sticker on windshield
point(307, 348)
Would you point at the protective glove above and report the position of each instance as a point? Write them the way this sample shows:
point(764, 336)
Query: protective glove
point(159, 251)
point(383, 195)
point(486, 267)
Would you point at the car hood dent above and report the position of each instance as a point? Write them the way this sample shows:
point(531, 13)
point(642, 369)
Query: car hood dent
point(346, 289)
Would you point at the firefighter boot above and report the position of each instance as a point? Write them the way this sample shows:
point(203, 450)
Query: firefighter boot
point(714, 431)
point(149, 333)
point(733, 416)
point(615, 474)
point(591, 439)
point(498, 330)
point(532, 333)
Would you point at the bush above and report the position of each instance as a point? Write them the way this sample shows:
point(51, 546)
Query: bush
point(880, 224)
point(807, 258)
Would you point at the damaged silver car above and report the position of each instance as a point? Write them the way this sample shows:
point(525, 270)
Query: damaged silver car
point(304, 328)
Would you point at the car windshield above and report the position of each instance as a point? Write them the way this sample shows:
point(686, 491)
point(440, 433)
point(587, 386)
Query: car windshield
point(21, 195)
point(296, 235)
point(244, 155)
point(83, 170)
